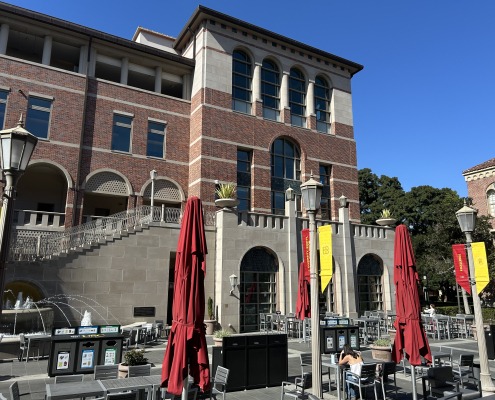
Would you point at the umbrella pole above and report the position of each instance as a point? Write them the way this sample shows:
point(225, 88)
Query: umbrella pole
point(413, 379)
point(185, 386)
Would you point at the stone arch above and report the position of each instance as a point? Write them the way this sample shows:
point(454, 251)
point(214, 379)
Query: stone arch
point(33, 163)
point(107, 181)
point(166, 190)
point(370, 290)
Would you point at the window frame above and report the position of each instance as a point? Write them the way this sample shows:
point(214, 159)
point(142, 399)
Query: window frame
point(38, 108)
point(326, 199)
point(122, 125)
point(297, 88)
point(3, 104)
point(238, 104)
point(490, 197)
point(270, 113)
point(323, 122)
point(162, 133)
point(246, 172)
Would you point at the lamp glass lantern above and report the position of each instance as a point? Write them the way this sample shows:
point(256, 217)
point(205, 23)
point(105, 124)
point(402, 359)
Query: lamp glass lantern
point(311, 194)
point(466, 217)
point(16, 147)
point(233, 282)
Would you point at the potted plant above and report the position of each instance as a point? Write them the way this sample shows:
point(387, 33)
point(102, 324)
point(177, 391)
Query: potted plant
point(386, 218)
point(131, 357)
point(381, 349)
point(219, 335)
point(226, 195)
point(210, 323)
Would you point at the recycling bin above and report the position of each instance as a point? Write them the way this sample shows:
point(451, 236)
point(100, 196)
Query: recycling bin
point(278, 363)
point(328, 340)
point(87, 355)
point(342, 339)
point(353, 337)
point(111, 351)
point(234, 358)
point(62, 359)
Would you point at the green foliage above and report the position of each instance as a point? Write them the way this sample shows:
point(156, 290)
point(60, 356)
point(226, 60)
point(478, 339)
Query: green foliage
point(487, 312)
point(210, 308)
point(135, 357)
point(221, 333)
point(429, 214)
point(382, 342)
point(226, 191)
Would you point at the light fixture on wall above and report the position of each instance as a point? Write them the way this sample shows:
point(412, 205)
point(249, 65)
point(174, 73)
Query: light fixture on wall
point(233, 283)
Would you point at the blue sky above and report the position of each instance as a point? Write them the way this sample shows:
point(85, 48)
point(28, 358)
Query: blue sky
point(423, 103)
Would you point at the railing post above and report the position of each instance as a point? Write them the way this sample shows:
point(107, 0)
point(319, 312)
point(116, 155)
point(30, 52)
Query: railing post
point(162, 217)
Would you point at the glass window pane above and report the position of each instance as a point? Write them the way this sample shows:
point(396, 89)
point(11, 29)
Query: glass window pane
point(37, 123)
point(154, 147)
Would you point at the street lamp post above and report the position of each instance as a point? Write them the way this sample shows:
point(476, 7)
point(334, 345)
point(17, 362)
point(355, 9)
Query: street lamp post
point(311, 194)
point(427, 300)
point(16, 147)
point(467, 221)
point(153, 175)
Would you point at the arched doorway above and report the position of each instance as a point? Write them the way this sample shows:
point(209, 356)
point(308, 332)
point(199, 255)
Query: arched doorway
point(370, 283)
point(257, 288)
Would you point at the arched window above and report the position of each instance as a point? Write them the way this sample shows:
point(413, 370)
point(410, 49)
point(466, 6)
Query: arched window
point(370, 271)
point(491, 202)
point(286, 172)
point(322, 105)
point(270, 90)
point(241, 82)
point(257, 289)
point(297, 98)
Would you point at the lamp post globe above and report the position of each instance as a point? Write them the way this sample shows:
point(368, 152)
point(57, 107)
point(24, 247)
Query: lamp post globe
point(16, 147)
point(311, 195)
point(466, 217)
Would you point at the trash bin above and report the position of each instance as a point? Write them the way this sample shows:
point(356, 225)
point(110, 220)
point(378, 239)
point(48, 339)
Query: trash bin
point(278, 363)
point(328, 341)
point(62, 359)
point(111, 351)
point(256, 361)
point(234, 358)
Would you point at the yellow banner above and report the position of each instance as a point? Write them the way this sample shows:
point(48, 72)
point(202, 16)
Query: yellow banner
point(480, 265)
point(325, 239)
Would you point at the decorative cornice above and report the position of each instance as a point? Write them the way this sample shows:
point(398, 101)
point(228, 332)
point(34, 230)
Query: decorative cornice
point(474, 176)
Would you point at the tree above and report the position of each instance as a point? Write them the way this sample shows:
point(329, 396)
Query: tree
point(429, 213)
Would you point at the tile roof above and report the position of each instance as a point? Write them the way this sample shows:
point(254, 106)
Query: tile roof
point(483, 165)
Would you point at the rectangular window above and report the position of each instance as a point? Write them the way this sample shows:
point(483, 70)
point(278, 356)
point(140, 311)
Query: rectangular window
point(38, 117)
point(3, 106)
point(121, 133)
point(244, 180)
point(325, 204)
point(156, 140)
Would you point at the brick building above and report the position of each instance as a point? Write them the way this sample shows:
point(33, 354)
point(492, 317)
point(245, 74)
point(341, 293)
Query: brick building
point(481, 187)
point(225, 101)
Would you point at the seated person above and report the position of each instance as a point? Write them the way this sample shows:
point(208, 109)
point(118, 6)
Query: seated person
point(431, 311)
point(352, 358)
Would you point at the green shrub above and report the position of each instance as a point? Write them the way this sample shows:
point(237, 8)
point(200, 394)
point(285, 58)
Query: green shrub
point(135, 357)
point(382, 342)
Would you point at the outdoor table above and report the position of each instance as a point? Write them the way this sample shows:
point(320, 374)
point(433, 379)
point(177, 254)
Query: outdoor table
point(41, 340)
point(72, 390)
point(338, 369)
point(437, 357)
point(147, 383)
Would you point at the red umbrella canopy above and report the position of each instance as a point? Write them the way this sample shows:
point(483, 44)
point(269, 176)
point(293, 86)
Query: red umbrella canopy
point(303, 306)
point(187, 340)
point(410, 337)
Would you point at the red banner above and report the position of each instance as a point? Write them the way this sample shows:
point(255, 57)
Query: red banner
point(461, 266)
point(305, 249)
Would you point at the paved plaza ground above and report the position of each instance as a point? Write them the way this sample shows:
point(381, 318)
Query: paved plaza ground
point(32, 375)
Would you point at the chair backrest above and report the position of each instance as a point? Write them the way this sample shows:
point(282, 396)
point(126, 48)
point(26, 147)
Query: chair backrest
point(466, 360)
point(103, 372)
point(388, 368)
point(438, 376)
point(306, 359)
point(221, 376)
point(123, 396)
point(139, 370)
point(68, 378)
point(14, 391)
point(368, 373)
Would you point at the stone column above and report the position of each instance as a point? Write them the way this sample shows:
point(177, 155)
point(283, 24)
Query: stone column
point(186, 86)
point(4, 38)
point(83, 60)
point(292, 266)
point(124, 71)
point(349, 274)
point(310, 106)
point(158, 79)
point(47, 50)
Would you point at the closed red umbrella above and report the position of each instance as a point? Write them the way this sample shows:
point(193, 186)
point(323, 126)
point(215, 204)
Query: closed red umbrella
point(303, 306)
point(187, 340)
point(411, 337)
